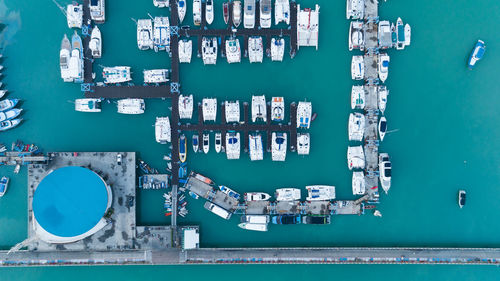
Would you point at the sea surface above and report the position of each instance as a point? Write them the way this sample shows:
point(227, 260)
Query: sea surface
point(443, 117)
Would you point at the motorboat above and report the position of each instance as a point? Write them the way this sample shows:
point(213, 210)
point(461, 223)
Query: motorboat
point(400, 35)
point(229, 192)
point(182, 148)
point(320, 192)
point(358, 68)
point(233, 50)
point(196, 143)
point(477, 54)
point(225, 11)
point(88, 105)
point(259, 108)
point(282, 11)
point(145, 34)
point(233, 145)
point(131, 106)
point(277, 109)
point(181, 9)
point(256, 148)
point(9, 124)
point(253, 226)
point(383, 66)
point(286, 219)
point(355, 9)
point(197, 12)
point(10, 114)
point(161, 3)
point(162, 130)
point(256, 196)
point(161, 34)
point(185, 50)
point(7, 104)
point(356, 126)
point(382, 127)
point(95, 44)
point(249, 14)
point(303, 143)
point(304, 113)
point(278, 146)
point(209, 50)
point(156, 76)
point(308, 27)
point(277, 49)
point(209, 11)
point(287, 194)
point(4, 184)
point(98, 11)
point(74, 15)
point(385, 169)
point(3, 93)
point(237, 13)
point(358, 97)
point(462, 196)
point(209, 108)
point(116, 74)
point(76, 59)
point(356, 36)
point(407, 35)
point(385, 34)
point(355, 157)
point(218, 142)
point(186, 107)
point(265, 13)
point(256, 219)
point(64, 57)
point(383, 93)
point(232, 110)
point(394, 35)
point(255, 49)
point(358, 183)
point(206, 143)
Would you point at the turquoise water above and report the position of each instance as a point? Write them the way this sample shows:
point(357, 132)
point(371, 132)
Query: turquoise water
point(445, 115)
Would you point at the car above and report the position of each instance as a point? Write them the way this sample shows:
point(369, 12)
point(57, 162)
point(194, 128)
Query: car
point(316, 220)
point(119, 159)
point(286, 219)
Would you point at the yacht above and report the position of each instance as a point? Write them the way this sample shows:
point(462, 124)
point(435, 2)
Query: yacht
point(282, 11)
point(259, 108)
point(254, 222)
point(233, 50)
point(385, 169)
point(10, 114)
point(400, 35)
point(95, 44)
point(358, 68)
point(356, 36)
point(218, 142)
point(64, 57)
point(287, 194)
point(182, 148)
point(209, 50)
point(277, 109)
point(116, 74)
point(249, 14)
point(356, 126)
point(161, 3)
point(256, 196)
point(308, 27)
point(74, 15)
point(197, 12)
point(185, 107)
point(357, 97)
point(358, 183)
point(185, 50)
point(98, 11)
point(303, 143)
point(383, 66)
point(196, 143)
point(233, 145)
point(206, 143)
point(232, 110)
point(462, 195)
point(382, 127)
point(88, 105)
point(2, 93)
point(76, 59)
point(277, 49)
point(255, 49)
point(407, 35)
point(131, 106)
point(304, 113)
point(355, 9)
point(4, 183)
point(477, 54)
point(156, 76)
point(145, 34)
point(237, 13)
point(225, 11)
point(355, 157)
point(181, 9)
point(9, 124)
point(383, 93)
point(384, 34)
point(265, 13)
point(162, 130)
point(209, 107)
point(278, 146)
point(253, 226)
point(320, 192)
point(7, 104)
point(256, 148)
point(161, 34)
point(209, 11)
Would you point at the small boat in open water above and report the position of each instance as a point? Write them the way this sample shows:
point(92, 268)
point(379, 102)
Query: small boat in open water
point(477, 53)
point(4, 183)
point(461, 198)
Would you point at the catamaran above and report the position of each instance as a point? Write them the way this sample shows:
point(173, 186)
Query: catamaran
point(162, 130)
point(358, 183)
point(255, 49)
point(256, 196)
point(259, 108)
point(116, 74)
point(383, 93)
point(233, 145)
point(186, 107)
point(156, 76)
point(282, 11)
point(131, 106)
point(97, 10)
point(206, 143)
point(400, 35)
point(355, 9)
point(181, 9)
point(358, 68)
point(356, 126)
point(249, 14)
point(88, 105)
point(182, 148)
point(304, 113)
point(209, 50)
point(225, 11)
point(233, 50)
point(287, 194)
point(385, 34)
point(9, 124)
point(196, 143)
point(76, 59)
point(385, 169)
point(64, 57)
point(383, 66)
point(320, 192)
point(232, 110)
point(209, 11)
point(145, 34)
point(237, 13)
point(95, 44)
point(197, 12)
point(382, 127)
point(218, 142)
point(355, 157)
point(308, 27)
point(277, 109)
point(74, 15)
point(356, 36)
point(357, 97)
point(209, 108)
point(277, 49)
point(161, 34)
point(185, 50)
point(7, 104)
point(265, 13)
point(10, 114)
point(161, 3)
point(256, 149)
point(303, 143)
point(278, 146)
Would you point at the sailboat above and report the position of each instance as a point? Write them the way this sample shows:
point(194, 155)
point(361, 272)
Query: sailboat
point(181, 9)
point(182, 148)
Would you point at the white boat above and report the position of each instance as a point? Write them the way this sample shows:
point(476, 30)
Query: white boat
point(232, 110)
point(145, 34)
point(400, 35)
point(355, 157)
point(383, 94)
point(218, 142)
point(209, 11)
point(98, 10)
point(4, 184)
point(9, 124)
point(181, 9)
point(3, 93)
point(385, 34)
point(304, 113)
point(186, 107)
point(259, 108)
point(407, 35)
point(74, 15)
point(131, 106)
point(64, 57)
point(233, 50)
point(282, 11)
point(358, 97)
point(10, 114)
point(256, 148)
point(356, 36)
point(7, 104)
point(358, 68)
point(88, 105)
point(161, 34)
point(249, 13)
point(462, 198)
point(209, 108)
point(277, 109)
point(383, 66)
point(253, 226)
point(303, 143)
point(95, 44)
point(237, 13)
point(197, 12)
point(161, 3)
point(355, 9)
point(277, 49)
point(162, 130)
point(196, 143)
point(320, 192)
point(116, 74)
point(76, 59)
point(206, 143)
point(209, 50)
point(233, 145)
point(382, 127)
point(278, 146)
point(308, 27)
point(256, 196)
point(156, 76)
point(385, 169)
point(255, 49)
point(356, 126)
point(287, 194)
point(254, 222)
point(265, 13)
point(358, 183)
point(185, 50)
